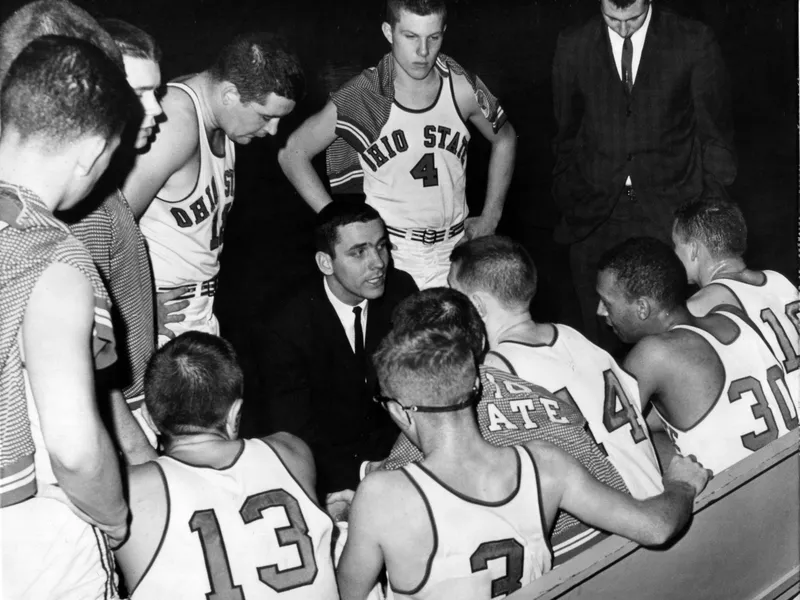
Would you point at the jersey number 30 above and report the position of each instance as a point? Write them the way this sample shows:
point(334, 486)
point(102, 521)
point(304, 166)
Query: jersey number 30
point(206, 525)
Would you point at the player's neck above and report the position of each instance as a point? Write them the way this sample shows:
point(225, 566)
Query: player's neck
point(678, 315)
point(518, 326)
point(452, 442)
point(415, 93)
point(206, 89)
point(722, 268)
point(24, 169)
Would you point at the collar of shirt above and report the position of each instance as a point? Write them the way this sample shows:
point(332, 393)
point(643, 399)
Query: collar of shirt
point(637, 39)
point(346, 316)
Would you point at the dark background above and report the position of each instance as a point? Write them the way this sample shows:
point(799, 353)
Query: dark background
point(510, 44)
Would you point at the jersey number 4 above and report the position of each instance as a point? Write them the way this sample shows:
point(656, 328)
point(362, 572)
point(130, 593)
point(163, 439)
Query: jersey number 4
point(425, 170)
point(206, 525)
point(512, 551)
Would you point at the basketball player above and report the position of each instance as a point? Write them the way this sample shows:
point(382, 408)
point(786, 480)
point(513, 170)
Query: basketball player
point(717, 387)
point(110, 233)
point(216, 515)
point(64, 106)
point(398, 134)
point(471, 520)
point(710, 239)
point(499, 276)
point(182, 189)
point(510, 411)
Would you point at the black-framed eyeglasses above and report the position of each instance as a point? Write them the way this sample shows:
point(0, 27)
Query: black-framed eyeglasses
point(470, 401)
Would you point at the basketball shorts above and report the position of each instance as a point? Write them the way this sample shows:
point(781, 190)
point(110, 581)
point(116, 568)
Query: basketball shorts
point(427, 264)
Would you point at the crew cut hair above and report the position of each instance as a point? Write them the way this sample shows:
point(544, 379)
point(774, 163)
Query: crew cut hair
point(716, 223)
point(443, 308)
point(426, 366)
point(59, 90)
point(191, 383)
point(51, 17)
point(258, 64)
point(497, 265)
point(423, 8)
point(647, 267)
point(335, 215)
point(132, 41)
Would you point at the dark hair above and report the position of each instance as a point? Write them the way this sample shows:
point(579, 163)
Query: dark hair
point(422, 8)
point(442, 308)
point(428, 366)
point(623, 4)
point(338, 214)
point(647, 267)
point(51, 17)
point(497, 265)
point(62, 89)
point(718, 224)
point(259, 64)
point(131, 40)
point(191, 383)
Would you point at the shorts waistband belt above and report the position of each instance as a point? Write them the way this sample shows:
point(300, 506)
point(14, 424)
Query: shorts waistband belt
point(203, 288)
point(427, 236)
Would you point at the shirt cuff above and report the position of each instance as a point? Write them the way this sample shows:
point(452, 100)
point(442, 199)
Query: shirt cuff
point(362, 470)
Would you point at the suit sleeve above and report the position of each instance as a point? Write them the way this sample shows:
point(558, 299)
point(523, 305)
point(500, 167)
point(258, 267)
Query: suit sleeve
point(712, 105)
point(569, 115)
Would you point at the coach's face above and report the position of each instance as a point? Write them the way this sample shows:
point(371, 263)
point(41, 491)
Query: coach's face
point(624, 21)
point(619, 312)
point(357, 270)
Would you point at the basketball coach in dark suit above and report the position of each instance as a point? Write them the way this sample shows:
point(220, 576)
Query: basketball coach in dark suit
point(642, 101)
point(316, 369)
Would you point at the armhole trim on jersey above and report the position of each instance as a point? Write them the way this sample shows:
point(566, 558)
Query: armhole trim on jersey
point(180, 86)
point(452, 78)
point(545, 530)
point(163, 533)
point(719, 394)
point(314, 501)
point(747, 322)
point(471, 500)
point(505, 361)
point(434, 550)
point(419, 111)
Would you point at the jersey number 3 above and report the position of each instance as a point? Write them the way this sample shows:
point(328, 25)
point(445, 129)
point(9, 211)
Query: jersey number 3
point(512, 551)
point(206, 525)
point(426, 171)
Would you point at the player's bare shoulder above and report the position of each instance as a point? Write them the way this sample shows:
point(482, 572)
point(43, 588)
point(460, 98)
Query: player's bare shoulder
point(179, 129)
point(709, 297)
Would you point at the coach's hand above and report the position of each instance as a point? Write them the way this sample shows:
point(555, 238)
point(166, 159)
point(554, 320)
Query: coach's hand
point(475, 227)
point(168, 309)
point(338, 503)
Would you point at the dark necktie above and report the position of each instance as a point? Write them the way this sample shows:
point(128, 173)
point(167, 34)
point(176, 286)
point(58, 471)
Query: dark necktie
point(627, 64)
point(358, 345)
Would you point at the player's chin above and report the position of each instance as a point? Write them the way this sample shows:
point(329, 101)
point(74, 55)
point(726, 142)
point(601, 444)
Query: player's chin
point(373, 288)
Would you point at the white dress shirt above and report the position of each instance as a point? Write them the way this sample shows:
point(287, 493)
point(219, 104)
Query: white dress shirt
point(637, 40)
point(346, 316)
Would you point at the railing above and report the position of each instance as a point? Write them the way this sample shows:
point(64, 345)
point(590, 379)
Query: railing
point(743, 544)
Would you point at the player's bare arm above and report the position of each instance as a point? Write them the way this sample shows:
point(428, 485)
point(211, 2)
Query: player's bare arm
point(132, 441)
point(56, 336)
point(710, 297)
point(297, 457)
point(501, 160)
point(650, 522)
point(147, 496)
point(175, 149)
point(312, 137)
point(389, 525)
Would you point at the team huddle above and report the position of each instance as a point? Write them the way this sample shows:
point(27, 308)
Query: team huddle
point(421, 435)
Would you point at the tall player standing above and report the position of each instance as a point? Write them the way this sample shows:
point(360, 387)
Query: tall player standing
point(182, 189)
point(398, 133)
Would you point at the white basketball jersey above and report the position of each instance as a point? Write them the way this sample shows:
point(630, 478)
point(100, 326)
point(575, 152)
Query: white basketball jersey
point(608, 397)
point(753, 409)
point(185, 234)
point(774, 307)
point(483, 550)
point(245, 531)
point(415, 173)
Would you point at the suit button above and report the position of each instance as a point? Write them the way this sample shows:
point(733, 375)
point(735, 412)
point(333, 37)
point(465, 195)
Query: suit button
point(629, 112)
point(630, 157)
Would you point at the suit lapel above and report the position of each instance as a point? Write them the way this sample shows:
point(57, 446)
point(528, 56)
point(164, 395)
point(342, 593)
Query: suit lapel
point(651, 53)
point(329, 326)
point(607, 66)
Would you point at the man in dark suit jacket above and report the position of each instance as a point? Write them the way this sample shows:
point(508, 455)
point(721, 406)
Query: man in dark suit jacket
point(318, 379)
point(642, 103)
